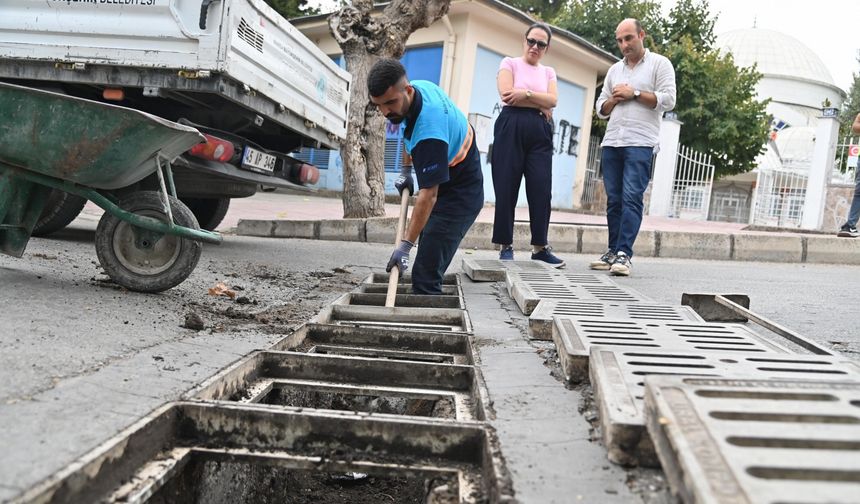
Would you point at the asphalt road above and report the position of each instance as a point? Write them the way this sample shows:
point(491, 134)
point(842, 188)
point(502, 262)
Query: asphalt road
point(81, 359)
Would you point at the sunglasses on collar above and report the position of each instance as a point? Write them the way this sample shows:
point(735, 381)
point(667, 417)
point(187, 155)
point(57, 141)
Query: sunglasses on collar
point(540, 43)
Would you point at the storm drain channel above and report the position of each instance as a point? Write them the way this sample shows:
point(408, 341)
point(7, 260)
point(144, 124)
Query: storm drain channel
point(744, 440)
point(731, 416)
point(214, 453)
point(575, 338)
point(618, 379)
point(383, 343)
point(541, 319)
point(363, 404)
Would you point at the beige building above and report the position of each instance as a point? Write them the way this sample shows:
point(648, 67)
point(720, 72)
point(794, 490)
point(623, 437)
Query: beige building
point(461, 52)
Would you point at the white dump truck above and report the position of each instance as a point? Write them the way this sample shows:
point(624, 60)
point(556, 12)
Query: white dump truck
point(234, 69)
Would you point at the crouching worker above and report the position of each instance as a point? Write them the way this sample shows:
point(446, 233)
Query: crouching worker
point(447, 166)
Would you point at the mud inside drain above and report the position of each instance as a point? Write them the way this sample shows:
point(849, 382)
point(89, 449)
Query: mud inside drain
point(238, 482)
point(425, 405)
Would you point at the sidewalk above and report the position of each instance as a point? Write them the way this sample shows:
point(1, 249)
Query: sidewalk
point(308, 216)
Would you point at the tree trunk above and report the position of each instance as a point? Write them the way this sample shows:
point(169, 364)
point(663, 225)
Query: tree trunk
point(365, 39)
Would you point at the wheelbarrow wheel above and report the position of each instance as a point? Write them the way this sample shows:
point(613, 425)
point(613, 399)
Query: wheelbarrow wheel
point(145, 265)
point(60, 210)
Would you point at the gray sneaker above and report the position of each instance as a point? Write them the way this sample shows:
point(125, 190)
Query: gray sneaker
point(605, 261)
point(621, 266)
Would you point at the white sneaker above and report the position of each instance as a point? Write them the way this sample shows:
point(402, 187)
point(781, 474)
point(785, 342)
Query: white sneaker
point(621, 266)
point(605, 261)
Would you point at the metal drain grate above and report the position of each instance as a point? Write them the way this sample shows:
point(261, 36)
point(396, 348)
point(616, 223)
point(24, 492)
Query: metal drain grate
point(151, 460)
point(574, 339)
point(540, 320)
point(552, 276)
point(618, 379)
point(415, 319)
point(442, 347)
point(527, 294)
point(735, 440)
point(313, 381)
point(494, 270)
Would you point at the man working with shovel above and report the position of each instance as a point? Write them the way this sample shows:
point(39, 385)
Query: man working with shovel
point(447, 165)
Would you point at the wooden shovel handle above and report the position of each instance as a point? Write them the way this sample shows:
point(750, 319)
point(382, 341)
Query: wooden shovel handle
point(395, 271)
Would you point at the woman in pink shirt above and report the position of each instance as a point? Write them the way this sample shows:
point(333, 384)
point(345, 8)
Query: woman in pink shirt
point(522, 145)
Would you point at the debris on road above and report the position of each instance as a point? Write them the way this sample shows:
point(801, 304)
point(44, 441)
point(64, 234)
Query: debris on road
point(194, 322)
point(221, 289)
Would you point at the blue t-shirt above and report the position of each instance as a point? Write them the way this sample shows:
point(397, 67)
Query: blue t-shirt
point(434, 133)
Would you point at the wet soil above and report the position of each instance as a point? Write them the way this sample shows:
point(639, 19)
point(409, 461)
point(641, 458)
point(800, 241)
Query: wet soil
point(217, 482)
point(305, 398)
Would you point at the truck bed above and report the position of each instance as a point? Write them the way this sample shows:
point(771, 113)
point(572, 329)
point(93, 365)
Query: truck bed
point(236, 65)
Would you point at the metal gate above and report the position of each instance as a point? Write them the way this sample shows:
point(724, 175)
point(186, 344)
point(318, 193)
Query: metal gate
point(779, 197)
point(592, 174)
point(846, 165)
point(691, 189)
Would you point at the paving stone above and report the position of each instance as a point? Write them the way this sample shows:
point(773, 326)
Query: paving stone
point(594, 240)
point(830, 249)
point(295, 229)
point(768, 248)
point(381, 230)
point(540, 320)
point(251, 227)
point(618, 379)
point(574, 339)
point(746, 441)
point(342, 230)
point(563, 237)
point(684, 245)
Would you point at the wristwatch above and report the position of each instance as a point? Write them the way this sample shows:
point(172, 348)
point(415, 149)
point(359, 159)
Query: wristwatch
point(529, 93)
point(636, 94)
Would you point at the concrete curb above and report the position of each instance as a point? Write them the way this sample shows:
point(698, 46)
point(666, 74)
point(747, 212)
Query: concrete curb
point(589, 240)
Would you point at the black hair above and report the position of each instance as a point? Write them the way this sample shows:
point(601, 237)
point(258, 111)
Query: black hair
point(542, 26)
point(638, 25)
point(385, 73)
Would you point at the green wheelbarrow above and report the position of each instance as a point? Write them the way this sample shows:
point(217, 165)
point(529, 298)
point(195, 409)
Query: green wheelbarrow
point(146, 241)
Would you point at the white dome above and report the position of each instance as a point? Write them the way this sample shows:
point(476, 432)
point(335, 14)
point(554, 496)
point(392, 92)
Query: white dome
point(777, 54)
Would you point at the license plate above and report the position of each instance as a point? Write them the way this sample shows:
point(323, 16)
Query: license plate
point(255, 160)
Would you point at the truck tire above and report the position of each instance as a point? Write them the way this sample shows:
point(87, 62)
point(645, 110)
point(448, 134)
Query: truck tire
point(147, 267)
point(60, 210)
point(208, 211)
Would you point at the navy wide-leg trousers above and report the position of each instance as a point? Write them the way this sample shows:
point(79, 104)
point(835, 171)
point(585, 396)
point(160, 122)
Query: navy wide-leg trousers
point(522, 147)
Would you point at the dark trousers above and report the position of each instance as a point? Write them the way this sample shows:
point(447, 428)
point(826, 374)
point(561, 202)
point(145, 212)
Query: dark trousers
point(626, 173)
point(436, 248)
point(522, 147)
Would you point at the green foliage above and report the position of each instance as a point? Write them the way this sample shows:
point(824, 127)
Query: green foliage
point(292, 8)
point(850, 107)
point(544, 10)
point(693, 20)
point(716, 102)
point(596, 20)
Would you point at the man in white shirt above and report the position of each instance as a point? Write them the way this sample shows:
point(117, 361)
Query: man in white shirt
point(636, 92)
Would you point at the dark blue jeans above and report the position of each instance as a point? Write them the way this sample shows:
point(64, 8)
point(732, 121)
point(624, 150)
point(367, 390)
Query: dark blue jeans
point(626, 172)
point(436, 248)
point(854, 212)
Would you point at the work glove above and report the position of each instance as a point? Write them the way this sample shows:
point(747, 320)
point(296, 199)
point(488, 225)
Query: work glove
point(404, 181)
point(400, 256)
